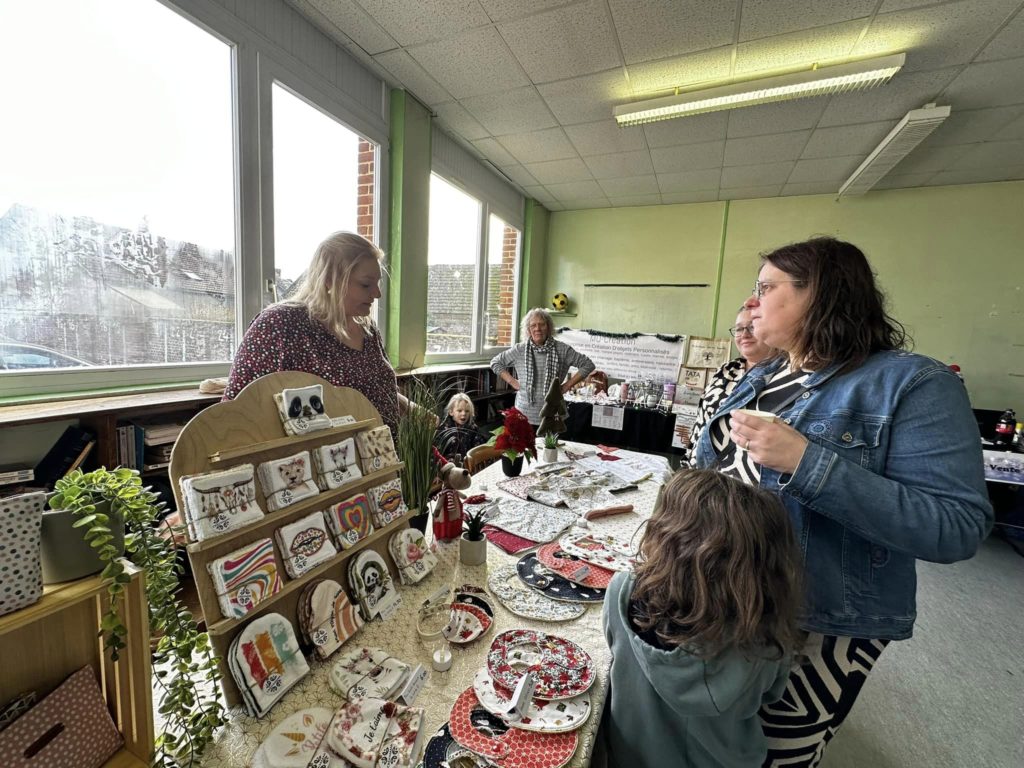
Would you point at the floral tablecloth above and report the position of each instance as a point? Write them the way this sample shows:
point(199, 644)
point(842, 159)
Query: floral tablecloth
point(238, 741)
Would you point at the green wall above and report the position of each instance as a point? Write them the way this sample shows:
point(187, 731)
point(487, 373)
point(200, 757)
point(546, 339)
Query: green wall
point(949, 258)
point(535, 243)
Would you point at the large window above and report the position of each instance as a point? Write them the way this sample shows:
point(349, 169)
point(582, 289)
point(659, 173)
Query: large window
point(473, 273)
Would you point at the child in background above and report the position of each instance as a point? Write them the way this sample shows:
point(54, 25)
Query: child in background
point(458, 432)
point(701, 633)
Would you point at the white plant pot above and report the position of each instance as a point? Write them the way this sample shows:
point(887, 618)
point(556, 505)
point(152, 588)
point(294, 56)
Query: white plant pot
point(550, 455)
point(472, 552)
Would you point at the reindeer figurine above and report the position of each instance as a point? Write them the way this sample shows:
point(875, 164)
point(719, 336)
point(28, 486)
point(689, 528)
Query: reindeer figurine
point(448, 505)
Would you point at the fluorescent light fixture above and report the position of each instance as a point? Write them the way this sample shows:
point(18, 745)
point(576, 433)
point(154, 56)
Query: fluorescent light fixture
point(915, 126)
point(837, 78)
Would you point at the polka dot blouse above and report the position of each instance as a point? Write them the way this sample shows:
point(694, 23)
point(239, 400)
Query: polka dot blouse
point(283, 338)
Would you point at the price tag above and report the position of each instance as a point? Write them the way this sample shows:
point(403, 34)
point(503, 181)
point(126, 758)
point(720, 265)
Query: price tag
point(607, 417)
point(389, 604)
point(340, 421)
point(412, 687)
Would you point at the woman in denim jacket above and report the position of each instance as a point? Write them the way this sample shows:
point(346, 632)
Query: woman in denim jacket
point(875, 453)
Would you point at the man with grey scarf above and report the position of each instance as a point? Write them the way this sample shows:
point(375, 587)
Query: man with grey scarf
point(537, 361)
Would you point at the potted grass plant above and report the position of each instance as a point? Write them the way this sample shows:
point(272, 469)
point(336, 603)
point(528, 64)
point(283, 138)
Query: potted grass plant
point(473, 544)
point(416, 428)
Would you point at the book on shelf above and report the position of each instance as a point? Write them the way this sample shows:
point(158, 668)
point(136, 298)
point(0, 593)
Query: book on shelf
point(82, 456)
point(16, 473)
point(62, 456)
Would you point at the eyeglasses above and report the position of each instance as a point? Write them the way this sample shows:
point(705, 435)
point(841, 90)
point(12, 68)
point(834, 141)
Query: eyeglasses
point(740, 330)
point(761, 286)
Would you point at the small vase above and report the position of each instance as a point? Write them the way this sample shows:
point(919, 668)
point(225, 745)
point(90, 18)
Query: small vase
point(550, 455)
point(512, 468)
point(472, 552)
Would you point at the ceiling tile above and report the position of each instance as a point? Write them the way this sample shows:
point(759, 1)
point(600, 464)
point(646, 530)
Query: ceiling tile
point(626, 201)
point(538, 192)
point(538, 146)
point(604, 137)
point(519, 175)
point(759, 175)
point(991, 154)
point(689, 157)
point(351, 21)
point(638, 185)
point(459, 121)
point(1009, 43)
point(903, 180)
point(515, 111)
point(686, 130)
point(558, 171)
point(906, 91)
point(648, 79)
point(809, 188)
point(924, 159)
point(413, 77)
point(689, 181)
point(978, 175)
point(797, 48)
point(503, 10)
point(554, 206)
point(973, 125)
point(411, 23)
point(763, 18)
point(621, 164)
point(495, 152)
point(832, 169)
point(749, 193)
point(656, 29)
point(777, 117)
point(592, 202)
point(472, 63)
point(846, 140)
point(988, 84)
point(575, 190)
point(568, 42)
point(777, 146)
point(1013, 130)
point(698, 196)
point(586, 99)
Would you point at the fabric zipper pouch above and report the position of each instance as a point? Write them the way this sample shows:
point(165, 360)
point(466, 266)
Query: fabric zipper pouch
point(371, 584)
point(375, 442)
point(305, 544)
point(266, 662)
point(350, 520)
point(218, 502)
point(388, 504)
point(21, 573)
point(379, 462)
point(372, 672)
point(302, 409)
point(70, 728)
point(288, 480)
point(414, 559)
point(372, 732)
point(327, 617)
point(336, 464)
point(299, 741)
point(245, 578)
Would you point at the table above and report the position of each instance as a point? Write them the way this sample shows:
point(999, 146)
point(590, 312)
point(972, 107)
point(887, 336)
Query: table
point(239, 740)
point(643, 429)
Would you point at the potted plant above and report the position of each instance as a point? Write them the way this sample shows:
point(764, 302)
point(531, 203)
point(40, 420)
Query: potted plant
point(185, 666)
point(515, 438)
point(473, 544)
point(552, 420)
point(550, 447)
point(416, 428)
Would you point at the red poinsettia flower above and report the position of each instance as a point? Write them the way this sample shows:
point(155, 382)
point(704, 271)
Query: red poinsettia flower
point(516, 436)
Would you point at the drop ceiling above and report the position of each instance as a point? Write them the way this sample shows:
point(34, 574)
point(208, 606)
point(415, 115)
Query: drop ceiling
point(529, 86)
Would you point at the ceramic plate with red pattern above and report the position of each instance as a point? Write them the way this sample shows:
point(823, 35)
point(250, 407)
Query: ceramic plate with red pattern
point(563, 669)
point(572, 568)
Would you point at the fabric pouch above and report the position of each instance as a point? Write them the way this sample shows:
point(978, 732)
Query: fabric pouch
point(288, 480)
point(370, 733)
point(21, 574)
point(305, 544)
point(299, 741)
point(327, 617)
point(388, 504)
point(372, 672)
point(302, 409)
point(409, 550)
point(379, 462)
point(336, 464)
point(70, 728)
point(375, 442)
point(349, 520)
point(266, 662)
point(371, 584)
point(245, 578)
point(218, 502)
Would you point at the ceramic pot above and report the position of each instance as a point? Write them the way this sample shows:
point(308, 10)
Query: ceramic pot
point(550, 455)
point(472, 552)
point(65, 553)
point(512, 468)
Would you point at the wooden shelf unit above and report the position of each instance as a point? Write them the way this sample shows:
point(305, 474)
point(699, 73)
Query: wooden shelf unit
point(248, 430)
point(487, 391)
point(44, 643)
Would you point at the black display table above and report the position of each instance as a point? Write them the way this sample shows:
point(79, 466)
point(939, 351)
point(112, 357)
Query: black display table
point(643, 429)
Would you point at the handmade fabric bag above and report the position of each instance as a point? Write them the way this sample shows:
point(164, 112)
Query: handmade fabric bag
point(603, 550)
point(530, 520)
point(371, 584)
point(544, 716)
point(302, 409)
point(413, 558)
point(375, 442)
point(21, 575)
point(553, 557)
point(336, 464)
point(70, 728)
point(363, 672)
point(266, 662)
point(327, 617)
point(218, 502)
point(305, 544)
point(563, 669)
point(371, 733)
point(350, 520)
point(245, 578)
point(288, 480)
point(528, 603)
point(299, 741)
point(388, 504)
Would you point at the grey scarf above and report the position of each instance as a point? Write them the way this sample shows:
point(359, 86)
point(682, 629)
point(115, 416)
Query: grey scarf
point(550, 366)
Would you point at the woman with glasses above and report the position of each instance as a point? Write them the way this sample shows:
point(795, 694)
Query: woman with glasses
point(725, 379)
point(874, 452)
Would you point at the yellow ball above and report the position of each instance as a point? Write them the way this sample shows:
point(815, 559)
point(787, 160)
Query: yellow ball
point(560, 302)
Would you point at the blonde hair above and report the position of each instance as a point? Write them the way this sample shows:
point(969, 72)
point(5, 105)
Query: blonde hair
point(461, 397)
point(524, 330)
point(325, 282)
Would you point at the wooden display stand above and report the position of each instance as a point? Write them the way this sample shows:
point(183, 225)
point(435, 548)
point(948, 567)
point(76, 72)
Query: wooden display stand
point(248, 430)
point(43, 644)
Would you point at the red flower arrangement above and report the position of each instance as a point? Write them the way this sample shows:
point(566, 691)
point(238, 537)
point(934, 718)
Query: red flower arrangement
point(515, 436)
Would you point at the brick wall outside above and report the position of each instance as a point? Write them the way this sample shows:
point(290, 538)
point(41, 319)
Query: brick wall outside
point(366, 189)
point(506, 288)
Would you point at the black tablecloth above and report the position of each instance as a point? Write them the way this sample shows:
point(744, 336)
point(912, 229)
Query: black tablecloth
point(642, 429)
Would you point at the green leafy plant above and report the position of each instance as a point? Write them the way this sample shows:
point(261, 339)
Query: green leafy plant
point(515, 437)
point(185, 665)
point(473, 524)
point(416, 429)
point(551, 440)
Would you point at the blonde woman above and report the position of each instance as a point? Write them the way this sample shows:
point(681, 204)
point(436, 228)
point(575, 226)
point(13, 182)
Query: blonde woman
point(325, 328)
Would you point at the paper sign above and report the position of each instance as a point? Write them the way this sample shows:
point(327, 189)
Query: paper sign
point(607, 417)
point(388, 605)
point(641, 357)
point(707, 353)
point(694, 378)
point(1003, 467)
point(412, 687)
point(686, 416)
point(340, 421)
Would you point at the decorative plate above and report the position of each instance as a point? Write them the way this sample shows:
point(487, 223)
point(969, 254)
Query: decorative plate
point(599, 549)
point(550, 584)
point(563, 668)
point(570, 567)
point(515, 748)
point(526, 602)
point(544, 716)
point(467, 623)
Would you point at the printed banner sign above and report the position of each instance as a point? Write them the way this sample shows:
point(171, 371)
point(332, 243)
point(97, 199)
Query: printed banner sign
point(642, 357)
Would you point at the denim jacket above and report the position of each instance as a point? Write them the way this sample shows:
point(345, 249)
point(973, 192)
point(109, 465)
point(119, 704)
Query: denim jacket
point(892, 473)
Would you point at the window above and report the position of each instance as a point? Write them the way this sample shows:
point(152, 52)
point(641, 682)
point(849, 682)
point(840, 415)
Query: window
point(473, 274)
point(117, 212)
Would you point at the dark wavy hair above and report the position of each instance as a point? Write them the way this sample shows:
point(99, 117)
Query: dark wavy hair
point(846, 320)
point(718, 569)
